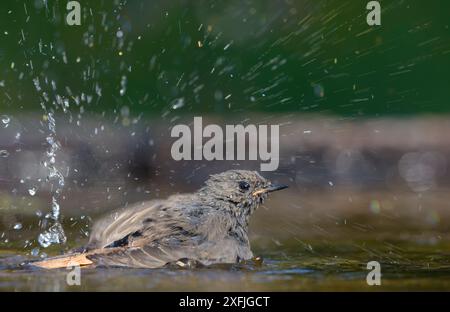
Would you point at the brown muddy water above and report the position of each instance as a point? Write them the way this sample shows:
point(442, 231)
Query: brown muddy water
point(309, 241)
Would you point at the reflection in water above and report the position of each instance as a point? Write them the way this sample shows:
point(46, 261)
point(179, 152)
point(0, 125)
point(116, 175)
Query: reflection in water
point(334, 266)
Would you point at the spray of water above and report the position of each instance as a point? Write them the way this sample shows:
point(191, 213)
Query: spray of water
point(55, 233)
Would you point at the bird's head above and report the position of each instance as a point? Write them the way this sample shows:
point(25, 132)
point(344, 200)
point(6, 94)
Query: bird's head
point(242, 190)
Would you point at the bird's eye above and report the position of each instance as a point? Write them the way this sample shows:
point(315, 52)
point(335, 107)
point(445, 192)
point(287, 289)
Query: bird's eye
point(244, 185)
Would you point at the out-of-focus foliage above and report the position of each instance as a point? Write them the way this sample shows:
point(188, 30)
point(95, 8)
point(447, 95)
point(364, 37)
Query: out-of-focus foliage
point(167, 57)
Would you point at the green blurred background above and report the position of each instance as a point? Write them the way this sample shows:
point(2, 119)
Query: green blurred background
point(171, 57)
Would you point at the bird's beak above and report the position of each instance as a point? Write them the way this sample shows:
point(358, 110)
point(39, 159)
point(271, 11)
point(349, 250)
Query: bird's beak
point(270, 188)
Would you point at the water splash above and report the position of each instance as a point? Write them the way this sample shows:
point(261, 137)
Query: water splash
point(32, 191)
point(4, 121)
point(55, 233)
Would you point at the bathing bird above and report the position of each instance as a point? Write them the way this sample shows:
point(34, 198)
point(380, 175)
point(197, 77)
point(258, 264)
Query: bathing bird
point(206, 227)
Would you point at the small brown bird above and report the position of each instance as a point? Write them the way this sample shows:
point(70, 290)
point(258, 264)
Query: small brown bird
point(206, 227)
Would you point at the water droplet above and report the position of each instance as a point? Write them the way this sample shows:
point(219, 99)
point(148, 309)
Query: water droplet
point(123, 85)
point(4, 153)
point(35, 252)
point(32, 191)
point(178, 103)
point(54, 235)
point(17, 226)
point(227, 46)
point(4, 121)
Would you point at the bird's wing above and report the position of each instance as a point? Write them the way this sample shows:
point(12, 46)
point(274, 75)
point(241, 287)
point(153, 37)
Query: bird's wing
point(147, 235)
point(153, 235)
point(122, 223)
